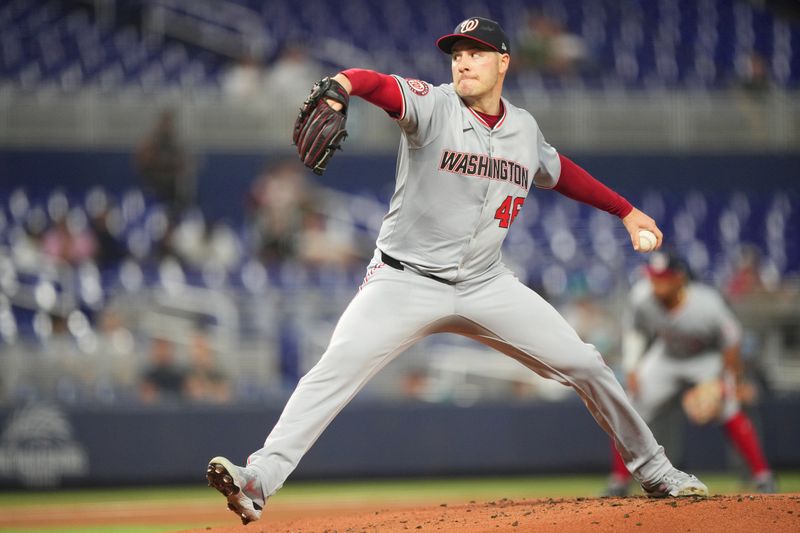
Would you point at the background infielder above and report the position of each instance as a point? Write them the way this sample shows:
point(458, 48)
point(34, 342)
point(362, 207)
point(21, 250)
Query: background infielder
point(466, 162)
point(680, 333)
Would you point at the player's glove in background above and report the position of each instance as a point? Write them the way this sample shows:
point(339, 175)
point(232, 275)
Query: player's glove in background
point(319, 129)
point(703, 402)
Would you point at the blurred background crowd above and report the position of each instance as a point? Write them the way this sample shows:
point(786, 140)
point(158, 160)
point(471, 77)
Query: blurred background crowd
point(159, 243)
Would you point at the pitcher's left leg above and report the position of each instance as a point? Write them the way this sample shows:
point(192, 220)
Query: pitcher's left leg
point(519, 322)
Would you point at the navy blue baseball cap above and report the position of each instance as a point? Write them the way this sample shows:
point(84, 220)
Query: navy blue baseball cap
point(479, 29)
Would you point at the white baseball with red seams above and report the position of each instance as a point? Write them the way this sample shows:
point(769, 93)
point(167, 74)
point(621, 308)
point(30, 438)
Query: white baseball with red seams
point(647, 241)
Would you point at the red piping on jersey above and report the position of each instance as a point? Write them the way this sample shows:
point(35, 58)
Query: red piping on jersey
point(402, 113)
point(579, 185)
point(502, 118)
point(486, 119)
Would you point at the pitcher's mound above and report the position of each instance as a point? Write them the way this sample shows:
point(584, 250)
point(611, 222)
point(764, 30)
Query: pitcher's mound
point(722, 514)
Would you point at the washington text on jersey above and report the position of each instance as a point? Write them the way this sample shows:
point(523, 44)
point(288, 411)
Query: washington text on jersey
point(483, 166)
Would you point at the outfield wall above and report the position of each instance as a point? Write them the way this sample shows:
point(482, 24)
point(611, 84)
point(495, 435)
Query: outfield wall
point(46, 445)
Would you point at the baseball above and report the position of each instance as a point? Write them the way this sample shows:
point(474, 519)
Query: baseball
point(647, 241)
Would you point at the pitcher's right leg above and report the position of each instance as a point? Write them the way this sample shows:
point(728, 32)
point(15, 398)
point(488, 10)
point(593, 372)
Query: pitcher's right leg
point(391, 311)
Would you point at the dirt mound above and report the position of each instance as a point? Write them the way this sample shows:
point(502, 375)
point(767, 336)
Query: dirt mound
point(724, 514)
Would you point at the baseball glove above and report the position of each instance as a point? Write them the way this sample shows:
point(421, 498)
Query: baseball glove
point(703, 402)
point(319, 130)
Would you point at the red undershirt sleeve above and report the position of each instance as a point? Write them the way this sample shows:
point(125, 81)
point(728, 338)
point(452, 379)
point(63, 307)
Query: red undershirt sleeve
point(378, 89)
point(579, 185)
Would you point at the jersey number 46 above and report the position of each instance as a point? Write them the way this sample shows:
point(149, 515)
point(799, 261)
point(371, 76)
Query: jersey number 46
point(509, 210)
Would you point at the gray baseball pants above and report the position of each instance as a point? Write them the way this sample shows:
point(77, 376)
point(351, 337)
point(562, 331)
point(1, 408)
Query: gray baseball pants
point(393, 309)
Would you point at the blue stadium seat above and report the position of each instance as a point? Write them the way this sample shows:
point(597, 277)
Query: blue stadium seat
point(642, 43)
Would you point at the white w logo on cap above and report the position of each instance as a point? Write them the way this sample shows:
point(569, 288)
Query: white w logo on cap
point(469, 25)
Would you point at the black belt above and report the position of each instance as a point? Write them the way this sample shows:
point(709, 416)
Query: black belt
point(394, 263)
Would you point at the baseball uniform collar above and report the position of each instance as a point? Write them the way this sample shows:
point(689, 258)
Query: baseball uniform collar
point(480, 119)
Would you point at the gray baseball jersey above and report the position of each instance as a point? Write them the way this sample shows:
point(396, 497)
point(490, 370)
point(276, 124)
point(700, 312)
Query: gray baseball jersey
point(702, 324)
point(460, 183)
point(685, 345)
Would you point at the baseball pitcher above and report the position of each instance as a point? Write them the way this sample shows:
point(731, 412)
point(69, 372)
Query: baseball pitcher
point(468, 159)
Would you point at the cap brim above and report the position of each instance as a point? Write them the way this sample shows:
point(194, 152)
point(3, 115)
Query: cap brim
point(446, 42)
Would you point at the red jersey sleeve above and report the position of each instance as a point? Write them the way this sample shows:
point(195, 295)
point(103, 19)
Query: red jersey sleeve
point(378, 89)
point(579, 185)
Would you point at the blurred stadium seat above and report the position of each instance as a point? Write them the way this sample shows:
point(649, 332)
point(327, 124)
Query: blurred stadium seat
point(160, 43)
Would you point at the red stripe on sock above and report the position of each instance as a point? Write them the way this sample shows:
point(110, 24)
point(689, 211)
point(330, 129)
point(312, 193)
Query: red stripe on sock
point(741, 432)
point(618, 467)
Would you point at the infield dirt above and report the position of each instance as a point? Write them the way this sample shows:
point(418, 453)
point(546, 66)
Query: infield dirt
point(719, 514)
point(723, 514)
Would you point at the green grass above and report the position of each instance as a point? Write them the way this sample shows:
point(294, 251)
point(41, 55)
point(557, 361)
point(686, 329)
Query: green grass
point(431, 491)
point(143, 494)
point(392, 489)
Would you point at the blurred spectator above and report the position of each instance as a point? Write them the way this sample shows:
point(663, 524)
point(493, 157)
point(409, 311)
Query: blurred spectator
point(753, 85)
point(70, 240)
point(291, 223)
point(291, 76)
point(279, 201)
point(244, 81)
point(110, 249)
point(323, 243)
point(754, 75)
point(118, 345)
point(163, 164)
point(198, 243)
point(163, 380)
point(414, 383)
point(545, 45)
point(26, 239)
point(163, 245)
point(205, 382)
point(745, 277)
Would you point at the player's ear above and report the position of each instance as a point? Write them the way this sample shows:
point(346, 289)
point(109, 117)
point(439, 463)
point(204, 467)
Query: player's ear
point(503, 63)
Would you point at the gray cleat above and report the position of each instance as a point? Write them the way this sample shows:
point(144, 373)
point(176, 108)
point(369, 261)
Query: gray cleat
point(616, 488)
point(241, 488)
point(676, 484)
point(766, 483)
